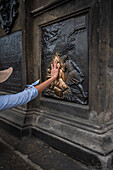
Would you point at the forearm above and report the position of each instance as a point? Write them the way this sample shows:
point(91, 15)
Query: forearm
point(44, 85)
point(14, 100)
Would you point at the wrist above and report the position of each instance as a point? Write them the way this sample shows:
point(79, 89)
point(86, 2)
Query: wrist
point(53, 78)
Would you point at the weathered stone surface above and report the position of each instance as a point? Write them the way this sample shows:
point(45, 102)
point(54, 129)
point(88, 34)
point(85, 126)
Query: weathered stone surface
point(32, 153)
point(10, 160)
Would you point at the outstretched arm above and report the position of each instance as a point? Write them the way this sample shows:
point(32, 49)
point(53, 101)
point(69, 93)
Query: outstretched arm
point(54, 75)
point(14, 100)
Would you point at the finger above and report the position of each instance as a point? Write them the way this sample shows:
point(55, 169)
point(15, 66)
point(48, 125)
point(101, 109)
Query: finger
point(55, 64)
point(51, 66)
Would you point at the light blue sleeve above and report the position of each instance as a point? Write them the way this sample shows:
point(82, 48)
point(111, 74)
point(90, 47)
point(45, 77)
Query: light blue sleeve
point(14, 100)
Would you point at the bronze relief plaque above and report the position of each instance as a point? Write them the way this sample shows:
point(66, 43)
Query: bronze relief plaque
point(11, 56)
point(67, 43)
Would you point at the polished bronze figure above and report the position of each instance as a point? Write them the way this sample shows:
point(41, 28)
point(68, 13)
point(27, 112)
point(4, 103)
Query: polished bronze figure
point(59, 85)
point(70, 78)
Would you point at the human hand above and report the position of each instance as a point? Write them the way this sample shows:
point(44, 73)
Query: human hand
point(54, 70)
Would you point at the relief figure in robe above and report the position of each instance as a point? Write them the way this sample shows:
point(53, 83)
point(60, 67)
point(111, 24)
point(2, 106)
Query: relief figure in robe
point(68, 85)
point(74, 75)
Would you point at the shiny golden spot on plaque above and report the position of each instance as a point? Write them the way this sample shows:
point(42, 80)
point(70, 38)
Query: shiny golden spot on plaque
point(68, 85)
point(59, 84)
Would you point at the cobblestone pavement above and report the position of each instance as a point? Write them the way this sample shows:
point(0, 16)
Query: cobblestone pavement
point(31, 153)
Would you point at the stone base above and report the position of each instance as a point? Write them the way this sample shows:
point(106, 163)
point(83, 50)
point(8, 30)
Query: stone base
point(77, 152)
point(15, 130)
point(16, 121)
point(93, 147)
point(86, 142)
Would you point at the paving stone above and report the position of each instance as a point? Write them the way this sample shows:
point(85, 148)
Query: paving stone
point(11, 139)
point(10, 161)
point(37, 151)
point(30, 145)
point(50, 159)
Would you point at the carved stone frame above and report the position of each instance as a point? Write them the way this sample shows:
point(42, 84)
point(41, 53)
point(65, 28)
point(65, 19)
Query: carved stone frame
point(42, 17)
point(49, 104)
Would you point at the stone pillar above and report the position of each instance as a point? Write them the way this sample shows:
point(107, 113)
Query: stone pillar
point(14, 52)
point(85, 129)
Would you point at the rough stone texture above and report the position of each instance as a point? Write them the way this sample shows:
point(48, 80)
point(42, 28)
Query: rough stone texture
point(37, 152)
point(11, 161)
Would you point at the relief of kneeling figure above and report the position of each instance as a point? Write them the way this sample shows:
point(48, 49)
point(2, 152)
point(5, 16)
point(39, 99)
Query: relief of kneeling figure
point(70, 77)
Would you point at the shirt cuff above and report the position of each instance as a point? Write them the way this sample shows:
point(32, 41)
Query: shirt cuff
point(33, 84)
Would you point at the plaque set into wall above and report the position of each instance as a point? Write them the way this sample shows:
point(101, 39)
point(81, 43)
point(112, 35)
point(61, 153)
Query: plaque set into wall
point(67, 43)
point(11, 56)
